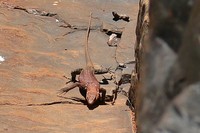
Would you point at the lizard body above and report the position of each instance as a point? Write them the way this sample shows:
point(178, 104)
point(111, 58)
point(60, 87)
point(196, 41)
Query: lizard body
point(86, 79)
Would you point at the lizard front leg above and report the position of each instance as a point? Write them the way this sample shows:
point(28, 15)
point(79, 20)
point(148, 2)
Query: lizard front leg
point(69, 87)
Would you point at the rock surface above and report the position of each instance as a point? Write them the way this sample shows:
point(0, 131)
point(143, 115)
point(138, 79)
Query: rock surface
point(41, 41)
point(166, 88)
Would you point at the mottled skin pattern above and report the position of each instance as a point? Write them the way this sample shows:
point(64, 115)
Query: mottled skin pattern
point(86, 79)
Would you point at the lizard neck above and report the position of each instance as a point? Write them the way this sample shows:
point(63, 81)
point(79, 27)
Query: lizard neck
point(87, 56)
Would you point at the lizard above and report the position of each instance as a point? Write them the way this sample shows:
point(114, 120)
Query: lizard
point(87, 81)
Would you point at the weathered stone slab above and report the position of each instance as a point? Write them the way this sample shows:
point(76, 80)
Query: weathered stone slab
point(38, 53)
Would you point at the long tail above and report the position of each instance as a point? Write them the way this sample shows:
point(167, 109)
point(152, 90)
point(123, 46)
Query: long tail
point(87, 56)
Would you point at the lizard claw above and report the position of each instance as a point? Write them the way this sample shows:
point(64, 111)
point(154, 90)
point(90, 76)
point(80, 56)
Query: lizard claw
point(70, 80)
point(67, 77)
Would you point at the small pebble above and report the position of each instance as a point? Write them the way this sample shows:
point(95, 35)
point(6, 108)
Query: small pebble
point(112, 40)
point(55, 3)
point(2, 59)
point(122, 65)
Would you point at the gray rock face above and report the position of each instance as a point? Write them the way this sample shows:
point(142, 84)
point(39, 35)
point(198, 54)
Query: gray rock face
point(166, 90)
point(158, 61)
point(189, 54)
point(183, 114)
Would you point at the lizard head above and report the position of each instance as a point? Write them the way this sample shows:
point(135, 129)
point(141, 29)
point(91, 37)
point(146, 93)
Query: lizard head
point(92, 95)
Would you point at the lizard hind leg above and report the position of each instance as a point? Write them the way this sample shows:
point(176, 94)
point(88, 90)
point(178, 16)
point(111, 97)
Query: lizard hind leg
point(74, 73)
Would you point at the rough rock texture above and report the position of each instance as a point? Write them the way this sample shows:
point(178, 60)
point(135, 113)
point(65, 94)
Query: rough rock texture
point(166, 90)
point(142, 30)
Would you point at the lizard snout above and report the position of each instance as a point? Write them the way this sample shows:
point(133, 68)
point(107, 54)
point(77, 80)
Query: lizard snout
point(91, 98)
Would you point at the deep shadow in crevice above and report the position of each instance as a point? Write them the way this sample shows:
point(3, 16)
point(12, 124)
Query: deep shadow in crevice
point(108, 32)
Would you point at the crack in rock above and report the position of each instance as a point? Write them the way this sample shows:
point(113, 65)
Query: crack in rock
point(58, 19)
point(40, 104)
point(63, 23)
